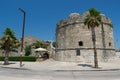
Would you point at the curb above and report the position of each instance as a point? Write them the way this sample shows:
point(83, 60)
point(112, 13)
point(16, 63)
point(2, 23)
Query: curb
point(15, 68)
point(65, 70)
point(87, 70)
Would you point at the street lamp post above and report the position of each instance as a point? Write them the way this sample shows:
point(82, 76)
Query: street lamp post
point(22, 40)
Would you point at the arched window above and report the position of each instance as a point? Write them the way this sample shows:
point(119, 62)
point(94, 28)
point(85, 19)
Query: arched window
point(80, 43)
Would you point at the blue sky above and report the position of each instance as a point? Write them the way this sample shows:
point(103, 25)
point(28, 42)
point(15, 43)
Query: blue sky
point(42, 15)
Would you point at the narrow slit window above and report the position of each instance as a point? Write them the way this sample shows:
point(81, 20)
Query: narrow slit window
point(109, 44)
point(78, 52)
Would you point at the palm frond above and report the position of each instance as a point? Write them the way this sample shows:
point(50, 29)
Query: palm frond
point(93, 19)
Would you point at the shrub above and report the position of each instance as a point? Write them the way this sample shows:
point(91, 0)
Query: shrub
point(27, 50)
point(1, 58)
point(17, 58)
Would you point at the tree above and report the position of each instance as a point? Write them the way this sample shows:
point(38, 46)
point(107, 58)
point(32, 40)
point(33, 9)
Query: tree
point(27, 50)
point(103, 40)
point(92, 20)
point(8, 43)
point(38, 44)
point(54, 44)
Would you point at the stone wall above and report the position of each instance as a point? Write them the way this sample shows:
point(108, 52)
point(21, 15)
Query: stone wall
point(73, 35)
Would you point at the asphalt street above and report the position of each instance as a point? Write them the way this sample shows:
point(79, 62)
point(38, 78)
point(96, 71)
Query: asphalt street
point(27, 74)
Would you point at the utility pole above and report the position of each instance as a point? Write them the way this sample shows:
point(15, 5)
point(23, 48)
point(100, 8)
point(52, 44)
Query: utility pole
point(22, 40)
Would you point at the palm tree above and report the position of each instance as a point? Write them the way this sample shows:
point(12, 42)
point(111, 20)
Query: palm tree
point(92, 20)
point(103, 40)
point(8, 43)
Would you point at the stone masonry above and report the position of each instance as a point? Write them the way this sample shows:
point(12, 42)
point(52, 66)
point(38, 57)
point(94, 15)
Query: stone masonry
point(74, 40)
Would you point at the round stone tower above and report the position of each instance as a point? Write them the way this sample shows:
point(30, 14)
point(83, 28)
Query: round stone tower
point(74, 39)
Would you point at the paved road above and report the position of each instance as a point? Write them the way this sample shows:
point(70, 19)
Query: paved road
point(24, 74)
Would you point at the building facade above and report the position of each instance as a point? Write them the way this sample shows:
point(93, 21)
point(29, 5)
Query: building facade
point(74, 40)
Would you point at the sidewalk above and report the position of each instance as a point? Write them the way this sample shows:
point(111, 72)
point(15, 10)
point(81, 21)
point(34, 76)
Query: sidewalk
point(63, 66)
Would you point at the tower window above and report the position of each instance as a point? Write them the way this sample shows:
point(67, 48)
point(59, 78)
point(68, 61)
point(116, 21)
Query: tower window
point(80, 43)
point(78, 52)
point(109, 43)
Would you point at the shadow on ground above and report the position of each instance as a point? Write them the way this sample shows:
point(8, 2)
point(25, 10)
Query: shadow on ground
point(8, 63)
point(85, 65)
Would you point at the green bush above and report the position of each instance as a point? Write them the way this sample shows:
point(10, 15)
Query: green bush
point(27, 50)
point(1, 58)
point(17, 58)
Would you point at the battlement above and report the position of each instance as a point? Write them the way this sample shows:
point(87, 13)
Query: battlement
point(77, 18)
